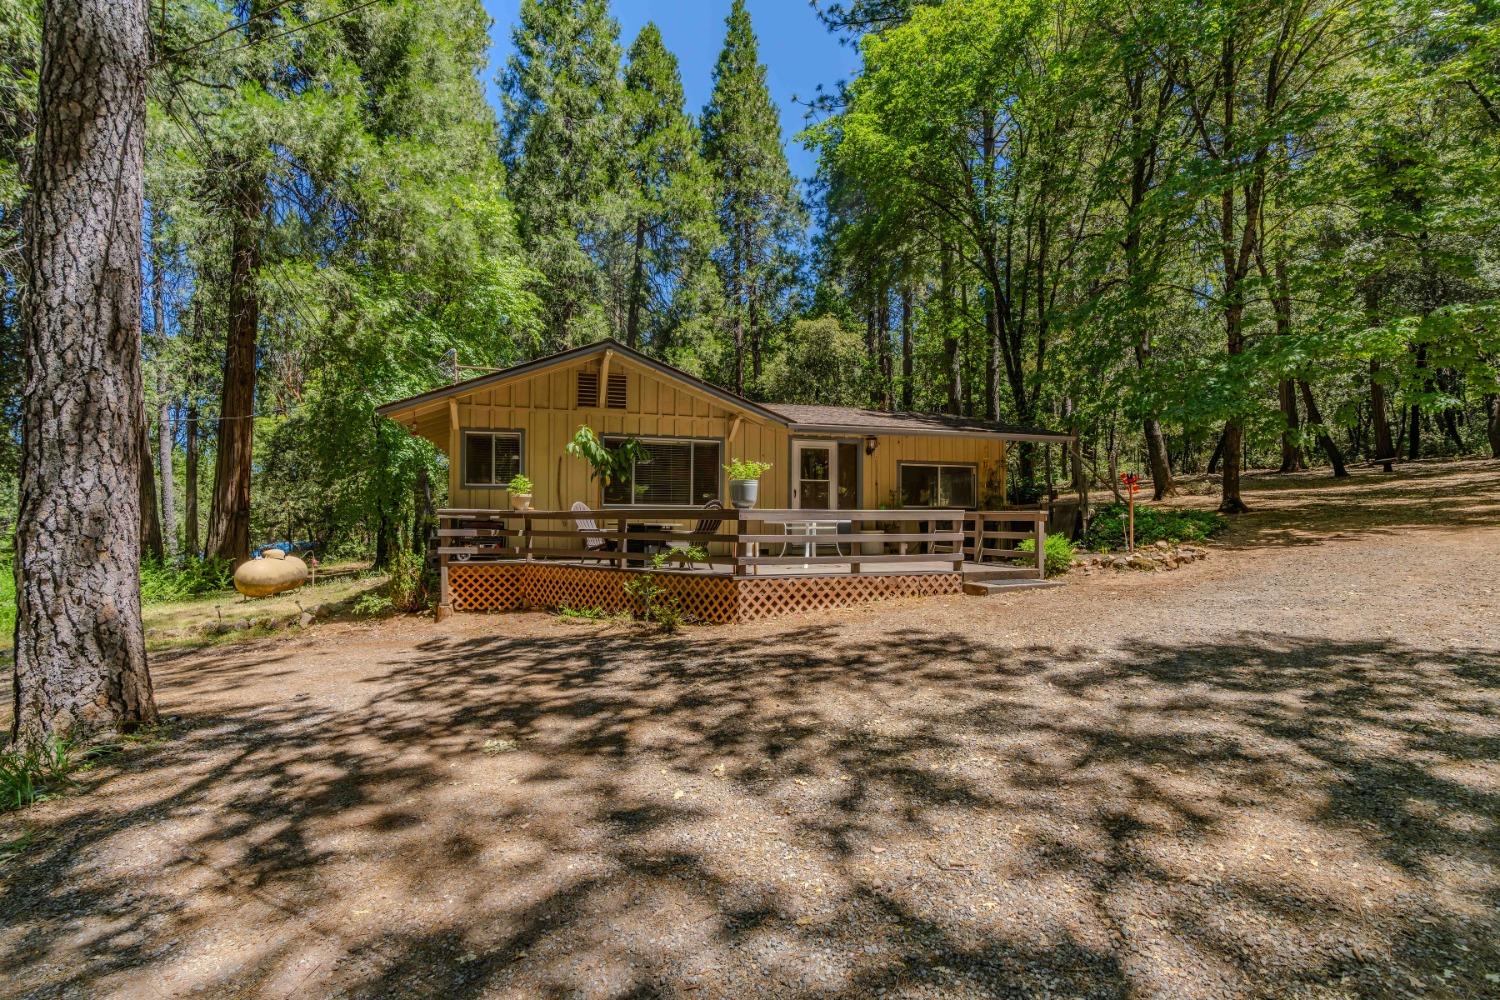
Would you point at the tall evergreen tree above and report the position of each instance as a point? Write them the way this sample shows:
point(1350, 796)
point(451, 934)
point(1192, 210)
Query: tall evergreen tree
point(562, 140)
point(669, 289)
point(759, 211)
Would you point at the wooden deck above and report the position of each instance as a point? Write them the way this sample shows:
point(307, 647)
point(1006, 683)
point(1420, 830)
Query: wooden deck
point(755, 563)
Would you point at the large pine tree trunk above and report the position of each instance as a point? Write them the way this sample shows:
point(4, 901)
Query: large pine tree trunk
point(80, 656)
point(229, 513)
point(886, 373)
point(637, 287)
point(1291, 451)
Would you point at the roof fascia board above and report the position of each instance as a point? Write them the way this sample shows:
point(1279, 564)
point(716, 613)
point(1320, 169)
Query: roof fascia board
point(864, 430)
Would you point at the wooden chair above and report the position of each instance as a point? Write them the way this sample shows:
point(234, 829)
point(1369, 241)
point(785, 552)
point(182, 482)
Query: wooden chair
point(594, 540)
point(705, 526)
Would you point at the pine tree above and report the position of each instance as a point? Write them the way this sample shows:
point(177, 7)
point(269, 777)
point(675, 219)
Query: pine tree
point(669, 290)
point(562, 142)
point(759, 211)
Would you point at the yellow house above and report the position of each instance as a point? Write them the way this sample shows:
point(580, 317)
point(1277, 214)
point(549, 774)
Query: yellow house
point(827, 458)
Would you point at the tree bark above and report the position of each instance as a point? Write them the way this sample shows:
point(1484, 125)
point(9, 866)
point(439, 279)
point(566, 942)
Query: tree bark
point(229, 513)
point(190, 483)
point(1492, 424)
point(637, 288)
point(1325, 440)
point(1214, 459)
point(1384, 448)
point(164, 461)
point(887, 402)
point(952, 369)
point(1414, 430)
point(151, 547)
point(1291, 451)
point(907, 388)
point(80, 653)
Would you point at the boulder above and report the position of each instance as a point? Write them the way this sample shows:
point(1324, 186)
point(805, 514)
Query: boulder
point(273, 573)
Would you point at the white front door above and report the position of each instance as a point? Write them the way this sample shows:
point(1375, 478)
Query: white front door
point(815, 472)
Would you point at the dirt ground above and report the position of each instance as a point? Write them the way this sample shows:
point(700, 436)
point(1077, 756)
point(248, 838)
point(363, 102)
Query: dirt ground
point(1274, 773)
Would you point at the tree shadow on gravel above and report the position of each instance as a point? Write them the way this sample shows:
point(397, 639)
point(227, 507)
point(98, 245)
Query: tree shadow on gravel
point(601, 814)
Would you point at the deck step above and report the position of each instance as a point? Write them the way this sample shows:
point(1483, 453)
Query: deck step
point(990, 588)
point(979, 574)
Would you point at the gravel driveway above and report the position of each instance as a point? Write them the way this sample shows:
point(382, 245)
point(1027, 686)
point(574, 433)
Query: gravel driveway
point(1269, 774)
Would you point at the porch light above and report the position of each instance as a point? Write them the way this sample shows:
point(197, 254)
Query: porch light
point(870, 442)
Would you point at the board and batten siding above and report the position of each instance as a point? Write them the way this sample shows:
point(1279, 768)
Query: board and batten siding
point(544, 408)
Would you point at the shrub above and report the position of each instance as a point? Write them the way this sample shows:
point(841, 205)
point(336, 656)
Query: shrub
point(653, 601)
point(373, 605)
point(745, 468)
point(1059, 553)
point(162, 583)
point(1152, 524)
point(407, 589)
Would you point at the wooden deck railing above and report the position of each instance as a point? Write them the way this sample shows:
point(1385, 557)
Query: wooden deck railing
point(997, 534)
point(762, 542)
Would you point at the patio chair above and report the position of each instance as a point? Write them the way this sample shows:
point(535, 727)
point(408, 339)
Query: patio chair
point(705, 526)
point(594, 540)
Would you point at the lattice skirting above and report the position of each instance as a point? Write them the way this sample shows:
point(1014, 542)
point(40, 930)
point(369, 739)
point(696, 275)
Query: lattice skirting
point(718, 599)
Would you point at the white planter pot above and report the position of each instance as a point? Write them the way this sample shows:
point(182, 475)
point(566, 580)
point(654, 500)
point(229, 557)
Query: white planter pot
point(520, 501)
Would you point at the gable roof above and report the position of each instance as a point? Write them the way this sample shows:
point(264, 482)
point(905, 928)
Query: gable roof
point(565, 357)
point(798, 417)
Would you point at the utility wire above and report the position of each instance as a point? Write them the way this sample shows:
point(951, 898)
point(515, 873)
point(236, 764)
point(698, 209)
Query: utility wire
point(263, 12)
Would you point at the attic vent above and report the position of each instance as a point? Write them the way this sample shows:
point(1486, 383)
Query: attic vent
point(588, 389)
point(616, 392)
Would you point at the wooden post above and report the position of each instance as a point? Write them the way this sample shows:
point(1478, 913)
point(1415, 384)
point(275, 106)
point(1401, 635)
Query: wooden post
point(622, 535)
point(957, 524)
point(1041, 546)
point(526, 536)
point(738, 547)
point(445, 592)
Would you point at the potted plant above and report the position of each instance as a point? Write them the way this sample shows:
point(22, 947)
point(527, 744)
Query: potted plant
point(744, 481)
point(609, 465)
point(520, 492)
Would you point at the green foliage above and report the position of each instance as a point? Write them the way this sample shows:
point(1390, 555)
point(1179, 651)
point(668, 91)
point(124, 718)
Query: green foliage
point(609, 465)
point(654, 602)
point(407, 589)
point(583, 614)
point(7, 597)
point(373, 605)
point(820, 361)
point(194, 577)
point(520, 484)
point(743, 468)
point(1059, 553)
point(1152, 524)
point(37, 770)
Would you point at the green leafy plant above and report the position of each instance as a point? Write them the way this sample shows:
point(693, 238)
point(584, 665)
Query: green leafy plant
point(519, 484)
point(744, 468)
point(407, 588)
point(1058, 553)
point(654, 602)
point(373, 605)
point(610, 465)
point(37, 770)
point(583, 614)
point(162, 583)
point(7, 597)
point(1152, 524)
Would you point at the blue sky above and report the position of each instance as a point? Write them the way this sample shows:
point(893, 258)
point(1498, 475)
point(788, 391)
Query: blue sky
point(798, 52)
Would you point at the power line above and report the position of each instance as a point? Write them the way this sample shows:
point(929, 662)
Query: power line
point(301, 27)
point(263, 12)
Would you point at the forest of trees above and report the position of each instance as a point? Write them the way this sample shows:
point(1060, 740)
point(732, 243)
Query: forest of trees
point(1202, 236)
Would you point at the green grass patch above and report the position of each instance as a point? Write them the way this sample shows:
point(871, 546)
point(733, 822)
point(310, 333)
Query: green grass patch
point(1152, 524)
point(36, 772)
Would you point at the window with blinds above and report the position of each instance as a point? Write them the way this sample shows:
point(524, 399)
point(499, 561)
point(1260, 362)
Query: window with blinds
point(491, 459)
point(678, 474)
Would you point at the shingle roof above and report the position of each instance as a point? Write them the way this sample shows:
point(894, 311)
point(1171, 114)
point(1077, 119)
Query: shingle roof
point(854, 418)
